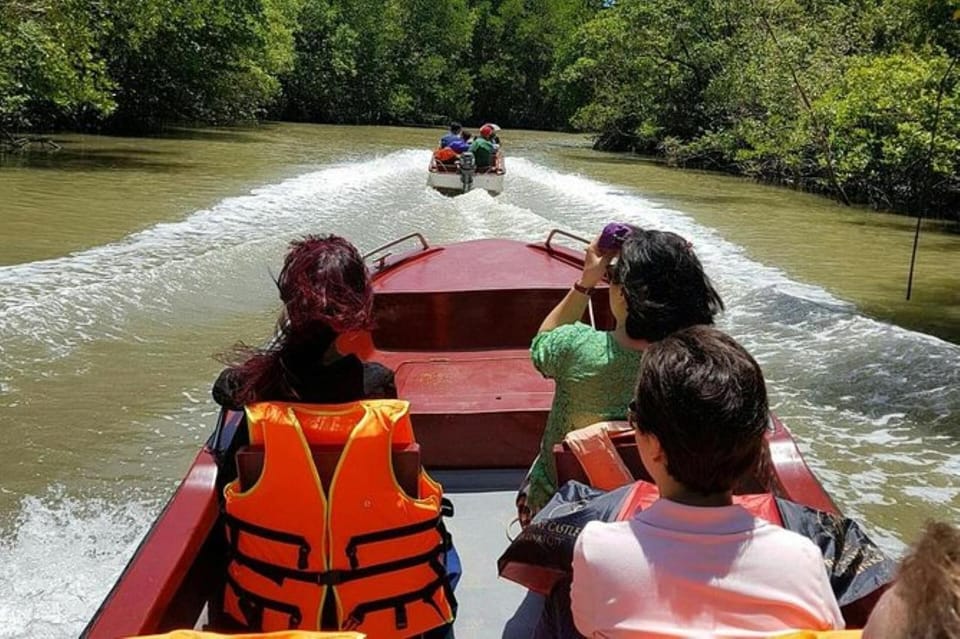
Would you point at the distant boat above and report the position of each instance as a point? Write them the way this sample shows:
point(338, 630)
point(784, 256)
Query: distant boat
point(462, 175)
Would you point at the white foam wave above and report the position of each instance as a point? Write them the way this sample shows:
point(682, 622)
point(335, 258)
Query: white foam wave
point(88, 295)
point(62, 559)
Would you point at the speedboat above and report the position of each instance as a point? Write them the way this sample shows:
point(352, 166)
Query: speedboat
point(462, 175)
point(454, 323)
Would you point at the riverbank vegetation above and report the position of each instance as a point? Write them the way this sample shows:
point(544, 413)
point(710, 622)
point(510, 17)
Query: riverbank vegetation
point(856, 98)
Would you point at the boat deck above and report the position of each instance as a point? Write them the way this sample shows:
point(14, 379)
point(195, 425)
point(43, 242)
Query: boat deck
point(483, 503)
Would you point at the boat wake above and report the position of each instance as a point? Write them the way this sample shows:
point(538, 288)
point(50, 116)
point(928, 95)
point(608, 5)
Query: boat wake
point(61, 559)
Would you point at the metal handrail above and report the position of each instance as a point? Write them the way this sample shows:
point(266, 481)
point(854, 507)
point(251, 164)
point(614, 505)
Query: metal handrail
point(565, 234)
point(546, 243)
point(419, 236)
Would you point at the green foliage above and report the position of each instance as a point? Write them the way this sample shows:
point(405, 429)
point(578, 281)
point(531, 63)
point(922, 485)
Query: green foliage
point(833, 95)
point(516, 46)
point(204, 60)
point(854, 97)
point(48, 67)
point(393, 61)
point(881, 117)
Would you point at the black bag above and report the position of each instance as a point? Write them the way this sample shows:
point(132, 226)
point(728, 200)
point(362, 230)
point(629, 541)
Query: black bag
point(543, 552)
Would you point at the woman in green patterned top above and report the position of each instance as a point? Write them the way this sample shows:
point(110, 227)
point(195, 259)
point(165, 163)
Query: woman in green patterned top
point(657, 286)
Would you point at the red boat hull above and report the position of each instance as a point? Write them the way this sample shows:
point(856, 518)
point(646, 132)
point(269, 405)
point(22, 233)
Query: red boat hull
point(454, 324)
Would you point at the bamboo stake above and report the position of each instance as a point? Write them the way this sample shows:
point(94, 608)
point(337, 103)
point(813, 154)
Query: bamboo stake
point(927, 179)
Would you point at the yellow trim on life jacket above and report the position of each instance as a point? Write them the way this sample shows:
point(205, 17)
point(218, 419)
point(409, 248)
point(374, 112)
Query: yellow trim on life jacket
point(283, 634)
point(821, 634)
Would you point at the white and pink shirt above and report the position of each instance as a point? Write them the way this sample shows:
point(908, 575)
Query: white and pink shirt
point(683, 571)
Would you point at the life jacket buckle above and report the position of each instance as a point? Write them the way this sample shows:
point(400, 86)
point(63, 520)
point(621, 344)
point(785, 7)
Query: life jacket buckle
point(295, 620)
point(331, 577)
point(353, 622)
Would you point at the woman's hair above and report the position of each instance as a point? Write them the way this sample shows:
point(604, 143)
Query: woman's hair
point(928, 583)
point(664, 285)
point(703, 397)
point(325, 289)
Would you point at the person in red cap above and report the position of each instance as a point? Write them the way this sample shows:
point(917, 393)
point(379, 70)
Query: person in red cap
point(483, 147)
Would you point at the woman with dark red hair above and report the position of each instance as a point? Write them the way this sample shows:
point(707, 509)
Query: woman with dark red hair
point(326, 293)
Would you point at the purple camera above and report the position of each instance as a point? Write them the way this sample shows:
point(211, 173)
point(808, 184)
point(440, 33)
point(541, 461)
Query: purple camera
point(613, 236)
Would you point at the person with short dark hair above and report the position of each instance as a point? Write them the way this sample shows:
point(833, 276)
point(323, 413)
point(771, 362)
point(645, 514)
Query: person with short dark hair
point(694, 563)
point(657, 286)
point(452, 135)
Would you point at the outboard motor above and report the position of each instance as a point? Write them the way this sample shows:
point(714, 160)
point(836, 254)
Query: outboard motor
point(468, 167)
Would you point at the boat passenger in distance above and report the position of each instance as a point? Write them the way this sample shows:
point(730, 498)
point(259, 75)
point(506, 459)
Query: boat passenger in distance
point(483, 148)
point(452, 135)
point(326, 294)
point(694, 563)
point(657, 286)
point(448, 154)
point(925, 598)
point(463, 144)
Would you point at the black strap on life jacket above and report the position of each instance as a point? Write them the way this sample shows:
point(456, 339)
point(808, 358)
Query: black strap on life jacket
point(277, 574)
point(237, 525)
point(385, 535)
point(399, 604)
point(252, 606)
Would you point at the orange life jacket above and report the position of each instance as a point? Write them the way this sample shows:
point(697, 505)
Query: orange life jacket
point(361, 540)
point(642, 495)
point(289, 634)
point(598, 456)
point(822, 634)
point(446, 154)
point(605, 470)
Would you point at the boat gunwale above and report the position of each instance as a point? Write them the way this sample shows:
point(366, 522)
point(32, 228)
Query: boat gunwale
point(146, 594)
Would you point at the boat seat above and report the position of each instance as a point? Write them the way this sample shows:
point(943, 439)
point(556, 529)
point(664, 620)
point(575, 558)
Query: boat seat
point(405, 457)
point(568, 466)
point(468, 320)
point(483, 412)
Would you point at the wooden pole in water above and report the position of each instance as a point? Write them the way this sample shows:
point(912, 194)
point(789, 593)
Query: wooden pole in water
point(928, 177)
point(913, 256)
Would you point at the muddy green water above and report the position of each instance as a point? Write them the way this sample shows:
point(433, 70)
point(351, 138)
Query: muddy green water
point(126, 264)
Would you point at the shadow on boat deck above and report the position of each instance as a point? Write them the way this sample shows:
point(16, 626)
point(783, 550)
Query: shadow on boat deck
point(483, 510)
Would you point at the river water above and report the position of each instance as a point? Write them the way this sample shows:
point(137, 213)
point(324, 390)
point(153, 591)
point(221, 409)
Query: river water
point(126, 265)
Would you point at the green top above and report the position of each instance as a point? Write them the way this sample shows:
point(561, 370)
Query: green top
point(595, 379)
point(483, 151)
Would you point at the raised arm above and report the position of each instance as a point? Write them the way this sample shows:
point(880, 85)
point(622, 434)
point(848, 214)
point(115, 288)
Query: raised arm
point(571, 307)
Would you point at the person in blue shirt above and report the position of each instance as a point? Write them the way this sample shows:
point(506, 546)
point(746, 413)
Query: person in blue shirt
point(462, 143)
point(452, 136)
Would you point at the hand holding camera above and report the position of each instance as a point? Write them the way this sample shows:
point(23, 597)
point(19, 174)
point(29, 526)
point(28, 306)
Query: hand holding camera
point(602, 251)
